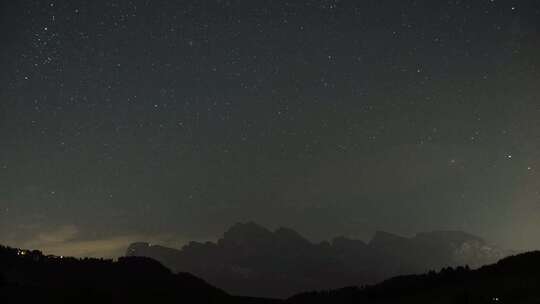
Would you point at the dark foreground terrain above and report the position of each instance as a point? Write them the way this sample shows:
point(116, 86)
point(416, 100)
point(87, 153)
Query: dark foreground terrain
point(514, 279)
point(30, 277)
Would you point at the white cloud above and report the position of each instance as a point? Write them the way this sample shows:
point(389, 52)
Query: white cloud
point(67, 240)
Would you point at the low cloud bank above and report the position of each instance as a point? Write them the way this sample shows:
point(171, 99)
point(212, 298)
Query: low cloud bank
point(68, 240)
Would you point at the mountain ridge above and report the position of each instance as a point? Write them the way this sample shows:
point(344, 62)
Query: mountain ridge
point(29, 276)
point(249, 256)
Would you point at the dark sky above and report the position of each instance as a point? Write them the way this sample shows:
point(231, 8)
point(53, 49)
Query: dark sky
point(171, 120)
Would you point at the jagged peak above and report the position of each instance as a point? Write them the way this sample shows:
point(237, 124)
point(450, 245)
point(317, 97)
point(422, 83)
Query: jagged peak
point(291, 236)
point(383, 237)
point(448, 235)
point(246, 232)
point(247, 226)
point(137, 248)
point(339, 240)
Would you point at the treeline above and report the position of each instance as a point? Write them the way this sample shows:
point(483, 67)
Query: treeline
point(515, 280)
point(30, 276)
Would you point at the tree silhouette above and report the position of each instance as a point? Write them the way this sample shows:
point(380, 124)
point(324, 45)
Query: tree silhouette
point(29, 276)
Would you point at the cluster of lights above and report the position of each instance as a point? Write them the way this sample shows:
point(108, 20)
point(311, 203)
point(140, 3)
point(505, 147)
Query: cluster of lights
point(21, 252)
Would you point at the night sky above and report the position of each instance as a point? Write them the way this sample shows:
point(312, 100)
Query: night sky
point(169, 121)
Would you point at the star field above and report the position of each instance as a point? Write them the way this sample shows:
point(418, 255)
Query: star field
point(172, 120)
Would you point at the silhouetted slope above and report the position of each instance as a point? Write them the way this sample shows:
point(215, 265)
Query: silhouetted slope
point(252, 260)
point(29, 276)
point(514, 280)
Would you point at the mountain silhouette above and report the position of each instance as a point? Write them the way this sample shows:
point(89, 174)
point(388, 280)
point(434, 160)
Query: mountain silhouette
point(31, 277)
point(252, 260)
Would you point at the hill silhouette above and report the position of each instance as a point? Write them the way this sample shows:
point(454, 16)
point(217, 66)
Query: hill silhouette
point(514, 279)
point(31, 277)
point(252, 260)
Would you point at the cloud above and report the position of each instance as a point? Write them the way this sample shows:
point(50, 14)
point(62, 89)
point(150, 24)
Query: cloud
point(108, 247)
point(62, 234)
point(68, 240)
